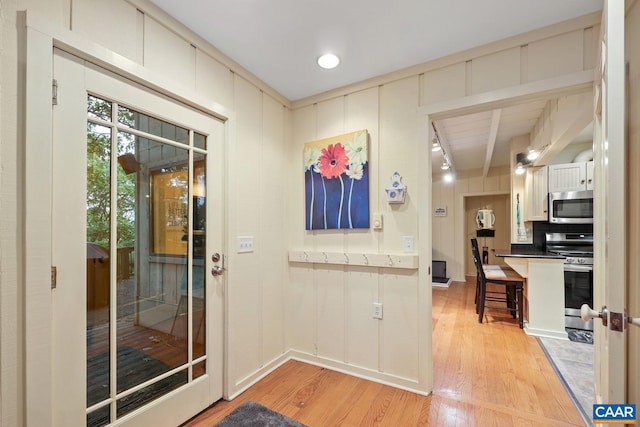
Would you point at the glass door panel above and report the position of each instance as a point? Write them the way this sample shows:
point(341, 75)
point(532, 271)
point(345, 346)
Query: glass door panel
point(146, 222)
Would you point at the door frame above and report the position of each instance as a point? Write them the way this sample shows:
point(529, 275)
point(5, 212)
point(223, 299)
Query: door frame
point(610, 222)
point(557, 86)
point(39, 41)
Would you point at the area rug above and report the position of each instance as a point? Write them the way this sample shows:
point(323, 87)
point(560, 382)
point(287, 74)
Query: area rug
point(579, 335)
point(252, 414)
point(573, 363)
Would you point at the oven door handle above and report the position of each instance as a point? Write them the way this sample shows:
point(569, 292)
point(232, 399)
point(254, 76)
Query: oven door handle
point(578, 268)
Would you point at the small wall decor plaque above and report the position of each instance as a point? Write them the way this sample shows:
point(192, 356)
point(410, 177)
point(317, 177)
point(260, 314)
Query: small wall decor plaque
point(440, 211)
point(396, 191)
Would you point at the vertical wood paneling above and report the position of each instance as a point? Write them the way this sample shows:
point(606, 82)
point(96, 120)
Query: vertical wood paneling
point(362, 330)
point(251, 295)
point(214, 79)
point(304, 130)
point(362, 113)
point(451, 238)
point(330, 306)
point(495, 71)
point(399, 342)
point(555, 56)
point(167, 54)
point(499, 205)
point(117, 29)
point(398, 141)
point(301, 309)
point(56, 11)
point(16, 292)
point(444, 84)
point(271, 244)
point(245, 293)
point(476, 184)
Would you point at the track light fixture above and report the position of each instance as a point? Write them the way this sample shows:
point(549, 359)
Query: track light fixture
point(532, 154)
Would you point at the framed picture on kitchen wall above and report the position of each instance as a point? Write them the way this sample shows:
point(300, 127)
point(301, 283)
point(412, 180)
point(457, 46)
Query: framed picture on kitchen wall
point(336, 177)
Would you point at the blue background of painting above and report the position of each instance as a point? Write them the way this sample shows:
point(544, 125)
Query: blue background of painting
point(359, 201)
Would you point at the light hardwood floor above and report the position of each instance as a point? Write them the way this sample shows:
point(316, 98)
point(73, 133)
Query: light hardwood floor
point(489, 374)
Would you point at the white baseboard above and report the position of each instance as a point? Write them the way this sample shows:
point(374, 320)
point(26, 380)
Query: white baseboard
point(407, 384)
point(441, 285)
point(545, 333)
point(379, 377)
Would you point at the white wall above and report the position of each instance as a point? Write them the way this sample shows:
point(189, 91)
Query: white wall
point(256, 186)
point(11, 342)
point(450, 233)
point(322, 314)
point(329, 307)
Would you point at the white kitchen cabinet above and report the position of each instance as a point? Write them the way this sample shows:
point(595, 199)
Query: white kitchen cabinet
point(590, 175)
point(536, 194)
point(571, 177)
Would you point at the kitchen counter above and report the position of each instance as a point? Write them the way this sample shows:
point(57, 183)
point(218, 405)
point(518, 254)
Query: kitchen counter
point(544, 290)
point(520, 253)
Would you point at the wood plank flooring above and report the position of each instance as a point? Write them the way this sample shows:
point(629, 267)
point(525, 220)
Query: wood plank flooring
point(489, 374)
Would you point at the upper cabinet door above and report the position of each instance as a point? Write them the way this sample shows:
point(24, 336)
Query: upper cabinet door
point(569, 177)
point(537, 194)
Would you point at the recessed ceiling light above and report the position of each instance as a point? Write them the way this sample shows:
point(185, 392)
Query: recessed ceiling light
point(328, 61)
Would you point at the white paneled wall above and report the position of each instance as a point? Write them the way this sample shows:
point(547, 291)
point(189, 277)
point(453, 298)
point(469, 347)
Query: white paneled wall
point(318, 313)
point(450, 241)
point(116, 25)
point(256, 159)
point(330, 306)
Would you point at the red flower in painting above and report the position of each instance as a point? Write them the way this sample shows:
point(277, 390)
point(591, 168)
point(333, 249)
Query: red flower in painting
point(333, 161)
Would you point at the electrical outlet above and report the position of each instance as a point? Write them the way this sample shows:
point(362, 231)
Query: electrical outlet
point(407, 244)
point(377, 310)
point(245, 244)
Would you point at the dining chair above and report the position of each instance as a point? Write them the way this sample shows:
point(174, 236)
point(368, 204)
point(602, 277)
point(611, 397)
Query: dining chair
point(511, 287)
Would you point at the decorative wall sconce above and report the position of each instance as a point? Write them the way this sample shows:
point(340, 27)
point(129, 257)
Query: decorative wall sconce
point(397, 191)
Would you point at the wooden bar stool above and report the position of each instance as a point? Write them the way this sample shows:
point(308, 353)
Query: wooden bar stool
point(510, 281)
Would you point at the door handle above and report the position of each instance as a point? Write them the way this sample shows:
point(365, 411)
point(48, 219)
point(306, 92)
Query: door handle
point(217, 270)
point(587, 313)
point(634, 320)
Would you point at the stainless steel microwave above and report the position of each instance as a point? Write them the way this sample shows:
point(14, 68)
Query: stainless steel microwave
point(571, 207)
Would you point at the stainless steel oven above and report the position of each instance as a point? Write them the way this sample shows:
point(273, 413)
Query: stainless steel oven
point(578, 290)
point(571, 207)
point(577, 248)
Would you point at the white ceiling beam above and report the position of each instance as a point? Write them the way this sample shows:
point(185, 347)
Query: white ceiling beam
point(491, 141)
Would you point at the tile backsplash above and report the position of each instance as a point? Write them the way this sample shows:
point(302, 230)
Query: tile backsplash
point(540, 228)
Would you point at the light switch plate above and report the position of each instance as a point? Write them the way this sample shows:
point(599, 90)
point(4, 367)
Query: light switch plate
point(377, 310)
point(245, 244)
point(377, 221)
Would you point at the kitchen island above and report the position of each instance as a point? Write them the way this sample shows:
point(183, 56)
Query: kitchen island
point(543, 291)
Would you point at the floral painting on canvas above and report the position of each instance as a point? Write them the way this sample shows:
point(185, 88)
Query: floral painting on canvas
point(336, 173)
